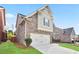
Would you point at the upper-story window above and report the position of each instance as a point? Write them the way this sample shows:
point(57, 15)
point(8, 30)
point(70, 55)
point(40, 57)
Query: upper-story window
point(45, 22)
point(46, 10)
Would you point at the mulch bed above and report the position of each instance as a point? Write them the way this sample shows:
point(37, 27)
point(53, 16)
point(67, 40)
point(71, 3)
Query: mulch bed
point(18, 45)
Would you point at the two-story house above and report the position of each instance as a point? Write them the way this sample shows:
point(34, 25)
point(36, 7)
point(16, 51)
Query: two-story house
point(2, 23)
point(38, 26)
point(68, 35)
point(63, 35)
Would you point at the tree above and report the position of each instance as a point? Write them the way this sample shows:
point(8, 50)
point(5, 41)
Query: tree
point(10, 31)
point(10, 34)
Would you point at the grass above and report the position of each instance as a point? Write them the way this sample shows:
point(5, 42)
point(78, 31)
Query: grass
point(71, 46)
point(10, 48)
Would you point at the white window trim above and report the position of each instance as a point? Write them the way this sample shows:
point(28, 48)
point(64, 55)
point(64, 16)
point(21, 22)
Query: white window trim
point(46, 22)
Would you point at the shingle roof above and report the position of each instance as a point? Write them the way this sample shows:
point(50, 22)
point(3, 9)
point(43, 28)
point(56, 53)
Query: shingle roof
point(32, 13)
point(41, 8)
point(20, 14)
point(1, 7)
point(68, 30)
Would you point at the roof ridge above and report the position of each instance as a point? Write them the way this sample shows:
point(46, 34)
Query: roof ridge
point(69, 28)
point(37, 10)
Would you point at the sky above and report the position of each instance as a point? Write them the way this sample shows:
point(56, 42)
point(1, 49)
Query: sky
point(64, 15)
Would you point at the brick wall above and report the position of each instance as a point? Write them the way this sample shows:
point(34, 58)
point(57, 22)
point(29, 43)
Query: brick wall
point(2, 23)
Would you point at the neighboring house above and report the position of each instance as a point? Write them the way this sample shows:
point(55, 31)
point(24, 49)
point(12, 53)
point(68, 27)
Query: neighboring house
point(63, 35)
point(2, 23)
point(68, 35)
point(38, 26)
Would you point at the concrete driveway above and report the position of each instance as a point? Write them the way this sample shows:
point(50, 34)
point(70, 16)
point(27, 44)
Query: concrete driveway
point(54, 49)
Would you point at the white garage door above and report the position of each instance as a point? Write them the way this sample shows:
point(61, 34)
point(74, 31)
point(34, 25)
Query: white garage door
point(40, 39)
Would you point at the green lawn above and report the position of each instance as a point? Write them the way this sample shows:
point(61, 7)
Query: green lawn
point(71, 46)
point(10, 48)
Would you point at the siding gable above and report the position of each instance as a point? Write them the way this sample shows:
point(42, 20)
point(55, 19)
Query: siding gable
point(45, 13)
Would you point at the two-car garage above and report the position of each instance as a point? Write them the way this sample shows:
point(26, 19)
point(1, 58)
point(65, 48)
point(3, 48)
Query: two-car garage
point(40, 39)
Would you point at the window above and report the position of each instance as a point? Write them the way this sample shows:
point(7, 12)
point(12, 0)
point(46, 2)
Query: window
point(46, 10)
point(46, 21)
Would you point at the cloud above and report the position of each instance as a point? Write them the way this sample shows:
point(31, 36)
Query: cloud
point(10, 20)
point(9, 15)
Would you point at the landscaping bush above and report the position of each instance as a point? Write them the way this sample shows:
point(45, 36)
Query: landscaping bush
point(9, 36)
point(28, 41)
point(13, 39)
point(4, 36)
point(3, 40)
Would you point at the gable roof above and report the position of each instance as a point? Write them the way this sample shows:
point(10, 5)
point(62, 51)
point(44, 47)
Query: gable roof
point(37, 11)
point(68, 30)
point(30, 14)
point(18, 16)
point(1, 7)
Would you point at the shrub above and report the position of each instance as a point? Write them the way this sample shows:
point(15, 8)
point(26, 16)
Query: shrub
point(4, 40)
point(9, 35)
point(4, 36)
point(28, 41)
point(13, 39)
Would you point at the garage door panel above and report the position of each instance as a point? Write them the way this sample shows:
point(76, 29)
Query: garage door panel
point(40, 39)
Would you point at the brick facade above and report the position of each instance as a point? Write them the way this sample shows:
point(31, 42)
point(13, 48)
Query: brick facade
point(2, 23)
